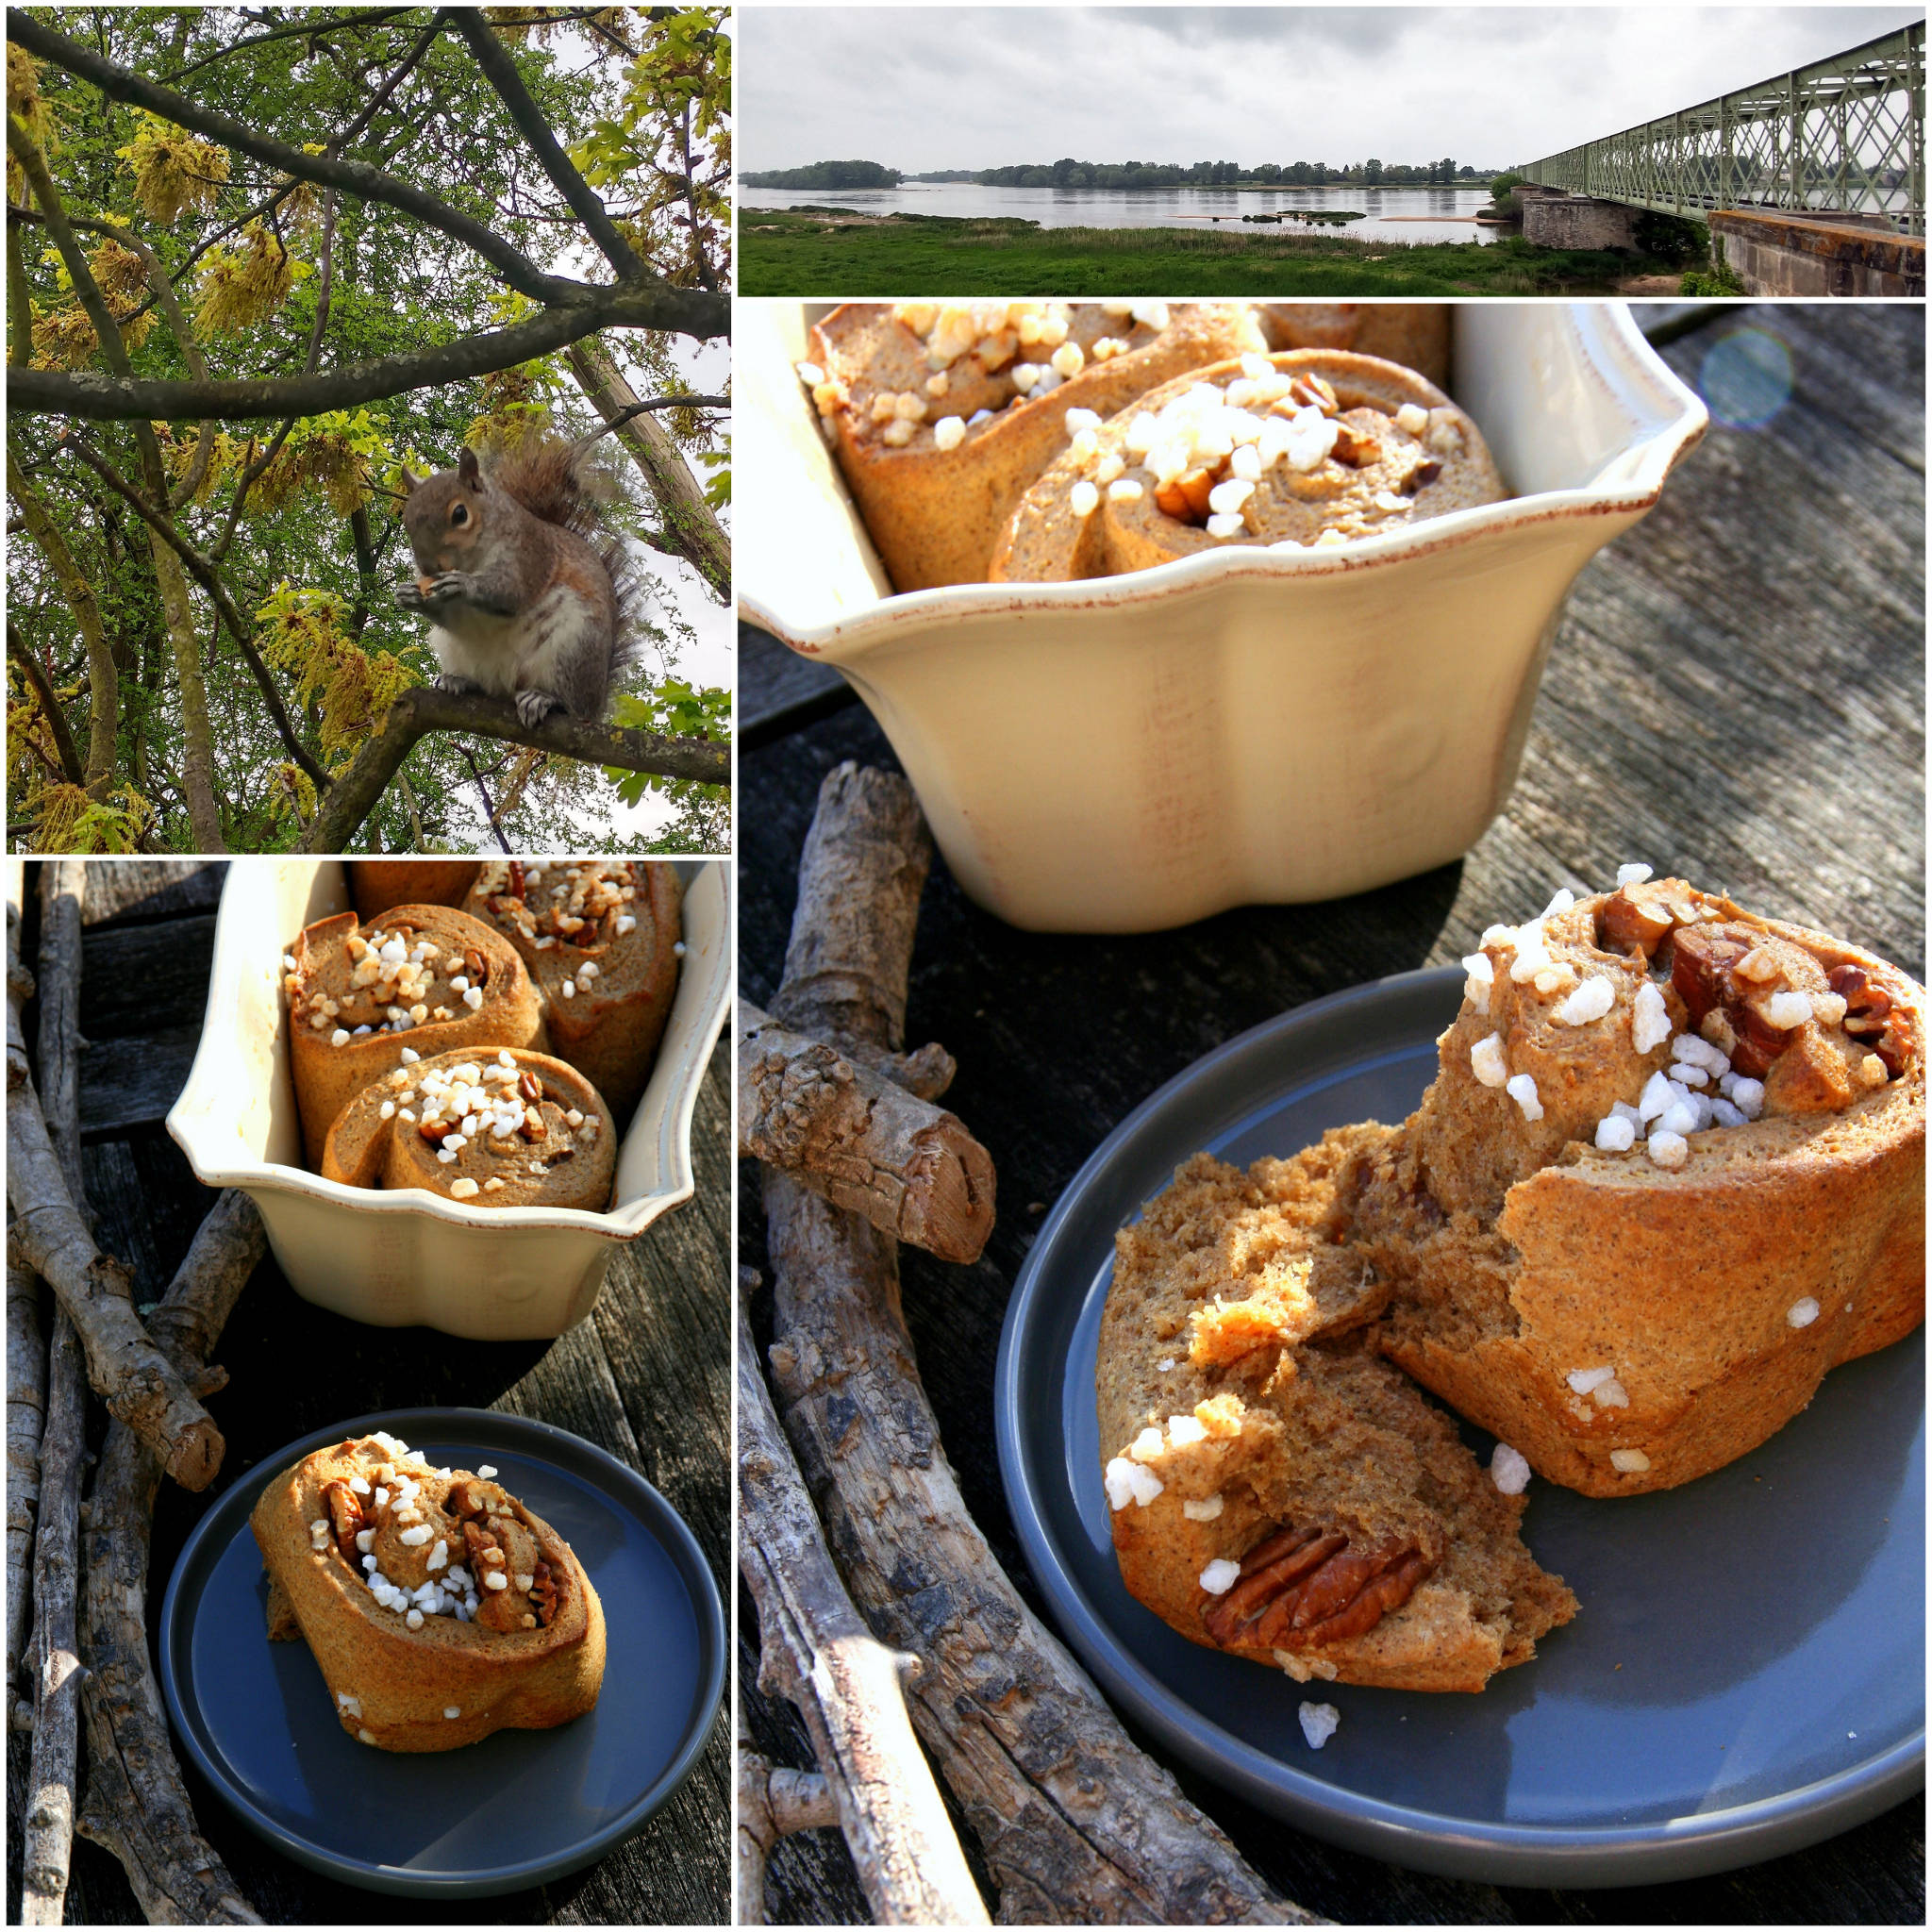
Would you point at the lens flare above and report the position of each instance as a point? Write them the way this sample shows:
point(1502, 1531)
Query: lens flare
point(1746, 378)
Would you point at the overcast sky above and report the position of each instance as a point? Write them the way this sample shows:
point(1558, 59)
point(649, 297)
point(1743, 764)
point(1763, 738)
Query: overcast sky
point(957, 86)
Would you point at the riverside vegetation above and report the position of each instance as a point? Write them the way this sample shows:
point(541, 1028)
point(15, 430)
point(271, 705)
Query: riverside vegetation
point(822, 250)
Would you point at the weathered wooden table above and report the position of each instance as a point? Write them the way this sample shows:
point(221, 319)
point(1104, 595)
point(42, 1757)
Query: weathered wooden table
point(1737, 694)
point(645, 1376)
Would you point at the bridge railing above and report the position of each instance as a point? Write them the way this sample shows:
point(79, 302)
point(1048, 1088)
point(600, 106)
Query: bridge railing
point(1845, 135)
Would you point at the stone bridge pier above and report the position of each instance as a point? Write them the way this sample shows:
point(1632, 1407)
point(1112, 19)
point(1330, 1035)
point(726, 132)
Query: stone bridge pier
point(1552, 219)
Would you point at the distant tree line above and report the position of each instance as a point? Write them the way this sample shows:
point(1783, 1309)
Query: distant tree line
point(1069, 173)
point(827, 175)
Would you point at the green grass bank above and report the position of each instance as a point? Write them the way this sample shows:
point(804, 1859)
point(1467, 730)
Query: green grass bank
point(833, 252)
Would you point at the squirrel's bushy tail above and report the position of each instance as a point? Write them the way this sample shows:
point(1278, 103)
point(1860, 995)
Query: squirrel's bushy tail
point(556, 482)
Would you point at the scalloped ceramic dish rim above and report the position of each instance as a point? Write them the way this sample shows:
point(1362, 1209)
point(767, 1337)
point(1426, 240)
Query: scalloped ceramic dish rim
point(1663, 448)
point(616, 1225)
point(620, 1223)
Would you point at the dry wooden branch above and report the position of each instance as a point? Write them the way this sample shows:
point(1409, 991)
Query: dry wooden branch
point(137, 1805)
point(26, 1409)
point(48, 1840)
point(771, 1803)
point(863, 1142)
point(815, 1651)
point(58, 1045)
point(54, 1777)
point(48, 1235)
point(1076, 1824)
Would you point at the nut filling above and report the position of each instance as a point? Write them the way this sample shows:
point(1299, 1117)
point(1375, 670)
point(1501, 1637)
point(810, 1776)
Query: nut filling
point(583, 907)
point(984, 356)
point(393, 985)
point(1308, 1586)
point(437, 1542)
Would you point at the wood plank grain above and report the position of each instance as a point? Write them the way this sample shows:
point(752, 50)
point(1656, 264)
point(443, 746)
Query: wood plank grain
point(132, 889)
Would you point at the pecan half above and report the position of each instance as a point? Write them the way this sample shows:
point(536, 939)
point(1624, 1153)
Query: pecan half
point(517, 885)
point(533, 1127)
point(1186, 498)
point(1869, 1017)
point(481, 1552)
point(346, 1514)
point(543, 1593)
point(1704, 970)
point(530, 1087)
point(1311, 1586)
point(466, 1498)
point(1354, 448)
point(1314, 392)
point(476, 966)
point(1634, 919)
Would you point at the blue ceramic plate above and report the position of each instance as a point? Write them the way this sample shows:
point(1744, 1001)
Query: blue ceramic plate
point(520, 1808)
point(1746, 1675)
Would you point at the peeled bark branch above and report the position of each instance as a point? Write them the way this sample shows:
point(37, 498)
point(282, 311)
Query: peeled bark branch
point(48, 1235)
point(52, 1779)
point(424, 710)
point(848, 1133)
point(1076, 1824)
point(814, 1651)
point(137, 1805)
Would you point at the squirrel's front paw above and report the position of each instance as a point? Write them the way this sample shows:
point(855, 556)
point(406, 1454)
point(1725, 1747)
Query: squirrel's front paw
point(533, 706)
point(409, 594)
point(448, 680)
point(451, 585)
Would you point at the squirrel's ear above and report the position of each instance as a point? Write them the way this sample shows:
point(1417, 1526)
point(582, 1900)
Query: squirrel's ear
point(467, 469)
point(409, 482)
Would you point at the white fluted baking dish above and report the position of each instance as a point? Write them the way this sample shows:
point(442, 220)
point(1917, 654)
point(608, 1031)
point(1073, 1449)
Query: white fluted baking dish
point(1242, 726)
point(402, 1257)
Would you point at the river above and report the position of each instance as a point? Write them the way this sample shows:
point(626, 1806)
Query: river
point(1390, 214)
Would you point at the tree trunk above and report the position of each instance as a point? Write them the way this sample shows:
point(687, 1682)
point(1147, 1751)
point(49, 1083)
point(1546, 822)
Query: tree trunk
point(104, 682)
point(198, 748)
point(688, 526)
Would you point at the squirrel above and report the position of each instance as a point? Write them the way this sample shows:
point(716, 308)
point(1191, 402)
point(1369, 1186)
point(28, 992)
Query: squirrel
point(523, 603)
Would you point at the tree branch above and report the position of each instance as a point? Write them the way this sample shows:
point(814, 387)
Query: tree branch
point(814, 1650)
point(115, 399)
point(691, 529)
point(208, 577)
point(1076, 1825)
point(424, 41)
point(355, 177)
point(853, 1135)
point(500, 71)
point(304, 28)
point(26, 1409)
point(424, 708)
point(136, 1805)
point(74, 772)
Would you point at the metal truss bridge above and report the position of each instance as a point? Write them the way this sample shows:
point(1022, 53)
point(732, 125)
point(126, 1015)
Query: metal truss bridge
point(1843, 136)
